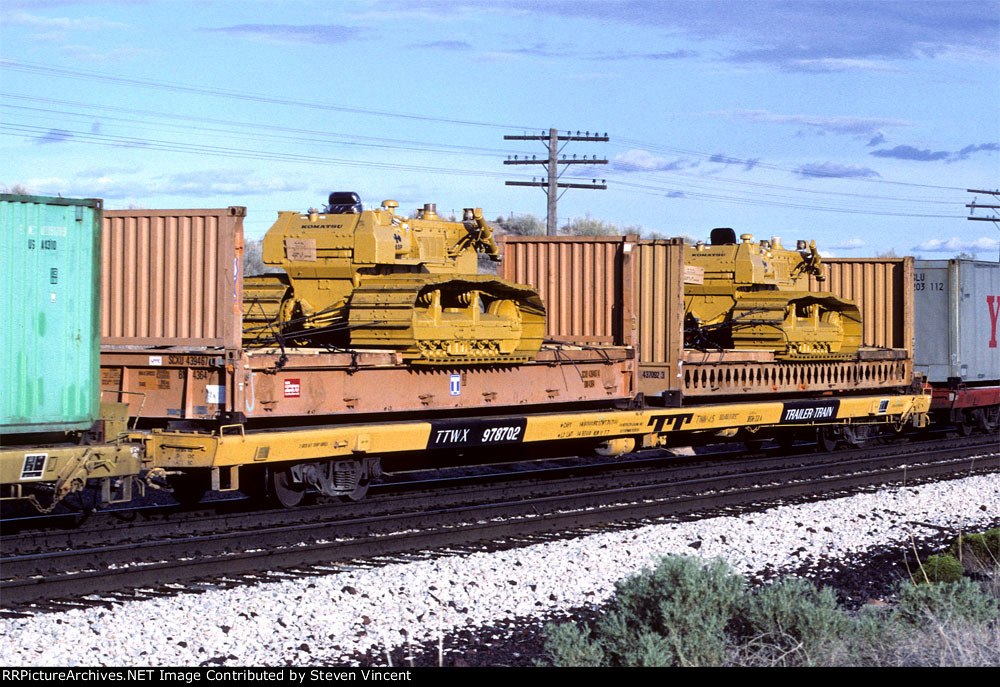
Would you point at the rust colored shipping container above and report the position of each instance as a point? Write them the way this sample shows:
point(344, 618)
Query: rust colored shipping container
point(579, 280)
point(883, 290)
point(658, 269)
point(172, 277)
point(608, 290)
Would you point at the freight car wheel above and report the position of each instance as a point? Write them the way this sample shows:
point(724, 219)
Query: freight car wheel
point(282, 488)
point(858, 436)
point(826, 439)
point(966, 423)
point(786, 442)
point(986, 418)
point(359, 492)
point(189, 488)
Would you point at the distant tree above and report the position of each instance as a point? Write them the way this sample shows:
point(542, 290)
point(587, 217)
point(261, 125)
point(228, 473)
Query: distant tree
point(891, 253)
point(964, 255)
point(589, 226)
point(521, 225)
point(17, 190)
point(253, 258)
point(656, 235)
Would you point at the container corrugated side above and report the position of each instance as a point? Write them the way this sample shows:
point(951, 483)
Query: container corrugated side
point(609, 290)
point(957, 304)
point(659, 301)
point(50, 252)
point(883, 290)
point(172, 277)
point(579, 280)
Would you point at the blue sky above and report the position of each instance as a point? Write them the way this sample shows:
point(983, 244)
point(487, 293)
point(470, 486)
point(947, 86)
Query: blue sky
point(860, 124)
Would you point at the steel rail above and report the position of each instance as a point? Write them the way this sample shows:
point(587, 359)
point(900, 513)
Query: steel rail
point(42, 577)
point(414, 496)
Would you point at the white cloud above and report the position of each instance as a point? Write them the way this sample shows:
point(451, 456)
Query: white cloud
point(222, 182)
point(35, 21)
point(831, 64)
point(834, 171)
point(118, 185)
point(644, 161)
point(84, 53)
point(955, 244)
point(850, 244)
point(852, 126)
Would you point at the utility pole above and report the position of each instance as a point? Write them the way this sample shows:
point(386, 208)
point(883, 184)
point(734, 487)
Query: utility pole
point(551, 183)
point(973, 207)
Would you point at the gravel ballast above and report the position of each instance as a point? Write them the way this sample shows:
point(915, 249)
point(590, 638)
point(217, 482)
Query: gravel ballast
point(335, 619)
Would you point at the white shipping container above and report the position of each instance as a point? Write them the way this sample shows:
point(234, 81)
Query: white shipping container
point(956, 308)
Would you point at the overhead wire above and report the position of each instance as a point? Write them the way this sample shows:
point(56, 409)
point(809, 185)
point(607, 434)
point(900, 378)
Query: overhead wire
point(238, 95)
point(647, 189)
point(757, 163)
point(314, 135)
point(335, 138)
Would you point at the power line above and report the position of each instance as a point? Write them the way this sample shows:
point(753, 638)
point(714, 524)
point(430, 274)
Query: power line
point(658, 191)
point(307, 135)
point(313, 136)
point(757, 163)
point(709, 185)
point(796, 189)
point(238, 95)
point(219, 151)
point(91, 138)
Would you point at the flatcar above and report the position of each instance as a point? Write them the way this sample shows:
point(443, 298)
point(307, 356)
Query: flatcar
point(213, 380)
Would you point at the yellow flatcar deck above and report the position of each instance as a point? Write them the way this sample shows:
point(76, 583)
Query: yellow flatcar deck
point(236, 447)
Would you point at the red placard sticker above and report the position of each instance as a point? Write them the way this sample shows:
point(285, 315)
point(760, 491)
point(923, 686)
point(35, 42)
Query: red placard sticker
point(292, 388)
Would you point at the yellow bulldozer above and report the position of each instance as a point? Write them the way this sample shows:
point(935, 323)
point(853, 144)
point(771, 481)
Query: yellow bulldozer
point(371, 279)
point(755, 295)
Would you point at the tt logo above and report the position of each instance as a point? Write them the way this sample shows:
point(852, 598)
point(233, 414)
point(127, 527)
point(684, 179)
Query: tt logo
point(679, 420)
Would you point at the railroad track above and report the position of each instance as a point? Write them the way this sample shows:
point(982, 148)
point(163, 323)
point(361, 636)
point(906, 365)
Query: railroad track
point(483, 509)
point(409, 492)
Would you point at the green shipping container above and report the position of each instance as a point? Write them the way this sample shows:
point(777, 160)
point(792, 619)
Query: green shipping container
point(50, 261)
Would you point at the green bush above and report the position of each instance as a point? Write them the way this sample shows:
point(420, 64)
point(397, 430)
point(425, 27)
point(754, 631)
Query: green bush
point(567, 644)
point(794, 615)
point(960, 601)
point(685, 612)
point(674, 614)
point(983, 548)
point(940, 568)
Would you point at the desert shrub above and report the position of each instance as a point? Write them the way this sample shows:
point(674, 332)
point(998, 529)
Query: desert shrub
point(938, 645)
point(983, 548)
point(959, 601)
point(674, 614)
point(794, 615)
point(567, 644)
point(940, 568)
point(685, 612)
